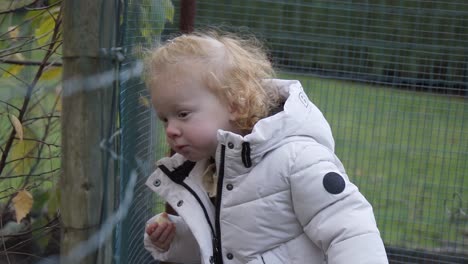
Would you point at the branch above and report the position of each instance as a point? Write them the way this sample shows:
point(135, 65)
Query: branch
point(31, 63)
point(22, 23)
point(16, 8)
point(43, 7)
point(34, 157)
point(10, 105)
point(46, 226)
point(28, 94)
point(26, 101)
point(14, 76)
point(48, 45)
point(40, 142)
point(41, 147)
point(32, 120)
point(30, 175)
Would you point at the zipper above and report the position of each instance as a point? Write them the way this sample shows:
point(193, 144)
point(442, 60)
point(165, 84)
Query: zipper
point(219, 253)
point(180, 180)
point(214, 240)
point(201, 204)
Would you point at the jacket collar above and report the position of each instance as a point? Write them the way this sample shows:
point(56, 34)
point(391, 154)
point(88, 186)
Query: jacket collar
point(299, 118)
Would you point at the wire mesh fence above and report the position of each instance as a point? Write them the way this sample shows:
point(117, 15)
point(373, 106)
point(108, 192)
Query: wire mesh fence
point(391, 77)
point(142, 22)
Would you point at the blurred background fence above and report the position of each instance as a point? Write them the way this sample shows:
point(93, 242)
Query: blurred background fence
point(391, 77)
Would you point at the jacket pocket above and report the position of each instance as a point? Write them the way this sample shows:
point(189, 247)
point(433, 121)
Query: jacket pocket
point(278, 255)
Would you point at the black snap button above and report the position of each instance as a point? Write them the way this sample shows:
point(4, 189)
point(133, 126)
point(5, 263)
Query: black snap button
point(180, 203)
point(157, 183)
point(334, 183)
point(230, 145)
point(229, 256)
point(229, 187)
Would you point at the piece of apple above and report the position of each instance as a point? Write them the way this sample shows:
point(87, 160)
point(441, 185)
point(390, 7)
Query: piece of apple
point(163, 218)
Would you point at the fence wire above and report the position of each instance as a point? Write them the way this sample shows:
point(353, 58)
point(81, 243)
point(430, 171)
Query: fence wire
point(391, 78)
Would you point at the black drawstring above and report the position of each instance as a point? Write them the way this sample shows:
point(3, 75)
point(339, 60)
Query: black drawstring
point(246, 155)
point(179, 174)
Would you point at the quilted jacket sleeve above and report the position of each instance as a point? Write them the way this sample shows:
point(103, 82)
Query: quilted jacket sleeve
point(184, 248)
point(332, 211)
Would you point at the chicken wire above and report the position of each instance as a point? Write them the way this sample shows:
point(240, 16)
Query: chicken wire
point(391, 77)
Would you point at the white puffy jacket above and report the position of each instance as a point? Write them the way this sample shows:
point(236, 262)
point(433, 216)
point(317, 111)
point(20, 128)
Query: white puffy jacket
point(283, 197)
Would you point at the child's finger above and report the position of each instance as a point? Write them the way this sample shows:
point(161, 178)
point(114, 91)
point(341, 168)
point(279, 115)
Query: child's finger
point(169, 239)
point(150, 228)
point(157, 232)
point(165, 234)
point(171, 236)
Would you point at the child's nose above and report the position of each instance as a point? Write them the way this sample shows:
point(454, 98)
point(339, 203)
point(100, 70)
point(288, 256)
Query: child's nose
point(172, 130)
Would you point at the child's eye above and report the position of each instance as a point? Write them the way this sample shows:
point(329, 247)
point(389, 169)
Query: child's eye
point(163, 119)
point(182, 114)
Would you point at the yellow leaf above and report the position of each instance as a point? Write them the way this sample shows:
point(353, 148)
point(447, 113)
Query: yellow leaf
point(22, 202)
point(17, 125)
point(14, 70)
point(13, 32)
point(144, 101)
point(18, 56)
point(52, 73)
point(58, 93)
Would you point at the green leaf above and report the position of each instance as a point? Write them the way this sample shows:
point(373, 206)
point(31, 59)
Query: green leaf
point(12, 5)
point(40, 199)
point(53, 204)
point(34, 15)
point(44, 32)
point(42, 240)
point(21, 149)
point(168, 10)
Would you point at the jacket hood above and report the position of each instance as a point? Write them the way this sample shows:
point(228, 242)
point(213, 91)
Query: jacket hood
point(299, 118)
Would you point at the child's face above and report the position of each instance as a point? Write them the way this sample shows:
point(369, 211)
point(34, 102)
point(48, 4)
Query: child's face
point(191, 113)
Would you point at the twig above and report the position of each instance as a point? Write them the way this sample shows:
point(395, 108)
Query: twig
point(10, 105)
point(41, 147)
point(27, 98)
point(42, 142)
point(34, 119)
point(42, 8)
point(35, 157)
point(22, 23)
point(30, 175)
point(14, 76)
point(30, 63)
point(15, 9)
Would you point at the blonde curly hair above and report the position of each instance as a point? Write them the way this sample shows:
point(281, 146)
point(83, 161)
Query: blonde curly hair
point(235, 70)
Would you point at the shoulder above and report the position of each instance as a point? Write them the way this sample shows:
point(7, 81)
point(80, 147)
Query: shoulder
point(302, 151)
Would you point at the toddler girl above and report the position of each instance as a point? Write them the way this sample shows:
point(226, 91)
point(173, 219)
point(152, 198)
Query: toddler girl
point(254, 178)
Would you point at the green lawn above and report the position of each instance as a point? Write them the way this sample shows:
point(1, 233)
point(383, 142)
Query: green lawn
point(407, 152)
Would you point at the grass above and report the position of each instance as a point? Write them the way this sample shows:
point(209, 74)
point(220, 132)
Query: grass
point(407, 152)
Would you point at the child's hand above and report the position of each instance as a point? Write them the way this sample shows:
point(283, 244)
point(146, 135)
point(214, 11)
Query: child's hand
point(161, 232)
